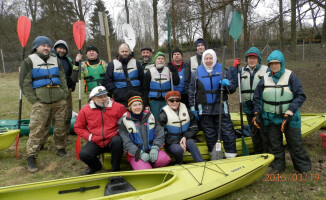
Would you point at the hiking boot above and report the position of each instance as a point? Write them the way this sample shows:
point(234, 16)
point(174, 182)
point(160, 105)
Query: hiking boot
point(31, 164)
point(89, 171)
point(62, 152)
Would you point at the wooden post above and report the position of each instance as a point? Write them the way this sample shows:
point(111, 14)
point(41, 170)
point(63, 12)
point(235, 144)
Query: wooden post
point(106, 28)
point(3, 62)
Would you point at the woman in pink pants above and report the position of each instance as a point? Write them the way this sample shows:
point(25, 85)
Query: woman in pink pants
point(142, 136)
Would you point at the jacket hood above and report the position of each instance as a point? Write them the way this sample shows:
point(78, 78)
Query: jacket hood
point(61, 42)
point(254, 50)
point(277, 55)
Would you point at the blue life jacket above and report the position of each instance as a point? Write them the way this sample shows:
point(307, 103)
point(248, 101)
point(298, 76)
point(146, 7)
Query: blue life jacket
point(44, 73)
point(181, 87)
point(120, 80)
point(160, 82)
point(211, 82)
point(134, 131)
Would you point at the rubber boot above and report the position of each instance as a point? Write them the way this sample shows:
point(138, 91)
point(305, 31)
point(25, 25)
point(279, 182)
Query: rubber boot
point(31, 164)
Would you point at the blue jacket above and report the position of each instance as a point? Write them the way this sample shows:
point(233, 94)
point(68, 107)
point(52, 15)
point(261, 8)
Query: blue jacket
point(295, 87)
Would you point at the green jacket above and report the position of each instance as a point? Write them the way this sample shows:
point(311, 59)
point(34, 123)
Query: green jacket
point(42, 94)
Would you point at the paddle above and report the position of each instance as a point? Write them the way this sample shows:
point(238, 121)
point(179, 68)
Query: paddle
point(217, 153)
point(79, 33)
point(235, 32)
point(169, 44)
point(23, 31)
point(129, 36)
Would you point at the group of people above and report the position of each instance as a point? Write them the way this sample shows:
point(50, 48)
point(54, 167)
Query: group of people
point(141, 107)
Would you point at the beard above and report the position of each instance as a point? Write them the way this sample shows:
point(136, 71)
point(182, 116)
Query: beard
point(159, 66)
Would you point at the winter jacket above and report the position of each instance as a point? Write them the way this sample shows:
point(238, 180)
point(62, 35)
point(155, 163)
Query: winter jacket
point(110, 82)
point(295, 87)
point(183, 72)
point(191, 68)
point(197, 89)
point(42, 94)
point(142, 125)
point(102, 124)
point(175, 138)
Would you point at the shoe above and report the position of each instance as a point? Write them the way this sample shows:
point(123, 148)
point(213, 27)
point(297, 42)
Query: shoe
point(31, 164)
point(89, 171)
point(273, 171)
point(62, 152)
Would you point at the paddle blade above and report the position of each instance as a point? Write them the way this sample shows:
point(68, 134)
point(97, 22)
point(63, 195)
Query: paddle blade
point(227, 22)
point(77, 147)
point(245, 151)
point(217, 153)
point(23, 29)
point(236, 25)
point(129, 35)
point(79, 32)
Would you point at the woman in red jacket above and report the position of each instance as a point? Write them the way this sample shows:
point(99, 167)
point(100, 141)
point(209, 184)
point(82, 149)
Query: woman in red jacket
point(97, 123)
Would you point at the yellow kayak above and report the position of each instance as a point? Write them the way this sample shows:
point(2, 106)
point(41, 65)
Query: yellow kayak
point(7, 138)
point(205, 180)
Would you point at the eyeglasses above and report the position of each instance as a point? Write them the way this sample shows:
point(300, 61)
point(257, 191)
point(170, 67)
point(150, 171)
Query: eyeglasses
point(174, 100)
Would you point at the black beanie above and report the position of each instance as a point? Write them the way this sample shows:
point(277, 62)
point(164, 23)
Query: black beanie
point(91, 47)
point(177, 50)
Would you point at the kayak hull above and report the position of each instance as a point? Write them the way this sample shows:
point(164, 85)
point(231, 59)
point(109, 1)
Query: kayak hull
point(7, 138)
point(205, 180)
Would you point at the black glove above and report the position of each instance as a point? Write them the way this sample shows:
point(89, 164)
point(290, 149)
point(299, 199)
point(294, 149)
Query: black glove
point(286, 122)
point(256, 120)
point(172, 67)
point(74, 76)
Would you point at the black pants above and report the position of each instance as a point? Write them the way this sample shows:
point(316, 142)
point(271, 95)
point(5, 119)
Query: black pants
point(90, 151)
point(258, 136)
point(299, 155)
point(209, 125)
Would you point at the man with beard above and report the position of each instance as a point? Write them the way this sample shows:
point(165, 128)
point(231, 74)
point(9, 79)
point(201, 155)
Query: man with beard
point(123, 74)
point(93, 70)
point(146, 57)
point(43, 83)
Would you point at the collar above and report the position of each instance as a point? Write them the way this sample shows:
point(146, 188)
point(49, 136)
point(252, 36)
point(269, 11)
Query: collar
point(93, 106)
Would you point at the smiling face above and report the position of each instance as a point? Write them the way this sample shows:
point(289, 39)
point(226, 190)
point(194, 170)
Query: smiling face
point(136, 107)
point(174, 102)
point(208, 60)
point(146, 54)
point(43, 49)
point(61, 51)
point(275, 66)
point(252, 61)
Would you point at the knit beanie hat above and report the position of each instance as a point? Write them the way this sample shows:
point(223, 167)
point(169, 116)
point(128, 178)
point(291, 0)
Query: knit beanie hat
point(200, 40)
point(177, 50)
point(91, 47)
point(172, 94)
point(159, 54)
point(39, 40)
point(134, 99)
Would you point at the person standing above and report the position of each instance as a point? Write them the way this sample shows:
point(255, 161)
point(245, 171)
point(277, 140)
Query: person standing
point(43, 83)
point(180, 127)
point(250, 76)
point(97, 123)
point(123, 74)
point(157, 83)
point(277, 101)
point(93, 70)
point(146, 57)
point(205, 99)
point(183, 72)
point(142, 136)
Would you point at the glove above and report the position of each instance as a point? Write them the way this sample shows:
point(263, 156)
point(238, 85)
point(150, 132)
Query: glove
point(153, 154)
point(172, 67)
point(225, 82)
point(194, 112)
point(286, 122)
point(236, 62)
point(74, 76)
point(256, 120)
point(144, 156)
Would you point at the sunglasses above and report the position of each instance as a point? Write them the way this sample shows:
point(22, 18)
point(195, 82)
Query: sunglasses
point(174, 100)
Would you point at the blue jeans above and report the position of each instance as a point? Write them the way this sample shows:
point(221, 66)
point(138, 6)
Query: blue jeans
point(177, 151)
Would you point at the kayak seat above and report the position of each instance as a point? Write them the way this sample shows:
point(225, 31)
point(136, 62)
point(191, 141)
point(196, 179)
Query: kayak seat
point(117, 185)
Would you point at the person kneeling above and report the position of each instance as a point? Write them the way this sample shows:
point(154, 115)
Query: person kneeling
point(180, 126)
point(142, 136)
point(97, 123)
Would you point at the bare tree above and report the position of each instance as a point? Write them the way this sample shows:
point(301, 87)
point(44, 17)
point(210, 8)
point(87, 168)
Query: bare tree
point(293, 26)
point(32, 4)
point(127, 10)
point(78, 7)
point(155, 24)
point(281, 24)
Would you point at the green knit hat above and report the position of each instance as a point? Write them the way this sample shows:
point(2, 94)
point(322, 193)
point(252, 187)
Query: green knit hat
point(159, 54)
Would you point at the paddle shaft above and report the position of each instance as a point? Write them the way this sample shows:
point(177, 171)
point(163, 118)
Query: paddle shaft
point(79, 83)
point(20, 100)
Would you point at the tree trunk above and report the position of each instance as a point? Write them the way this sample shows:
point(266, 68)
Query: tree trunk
point(173, 22)
point(245, 28)
point(293, 27)
point(78, 6)
point(203, 19)
point(155, 24)
point(127, 10)
point(281, 25)
point(32, 8)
